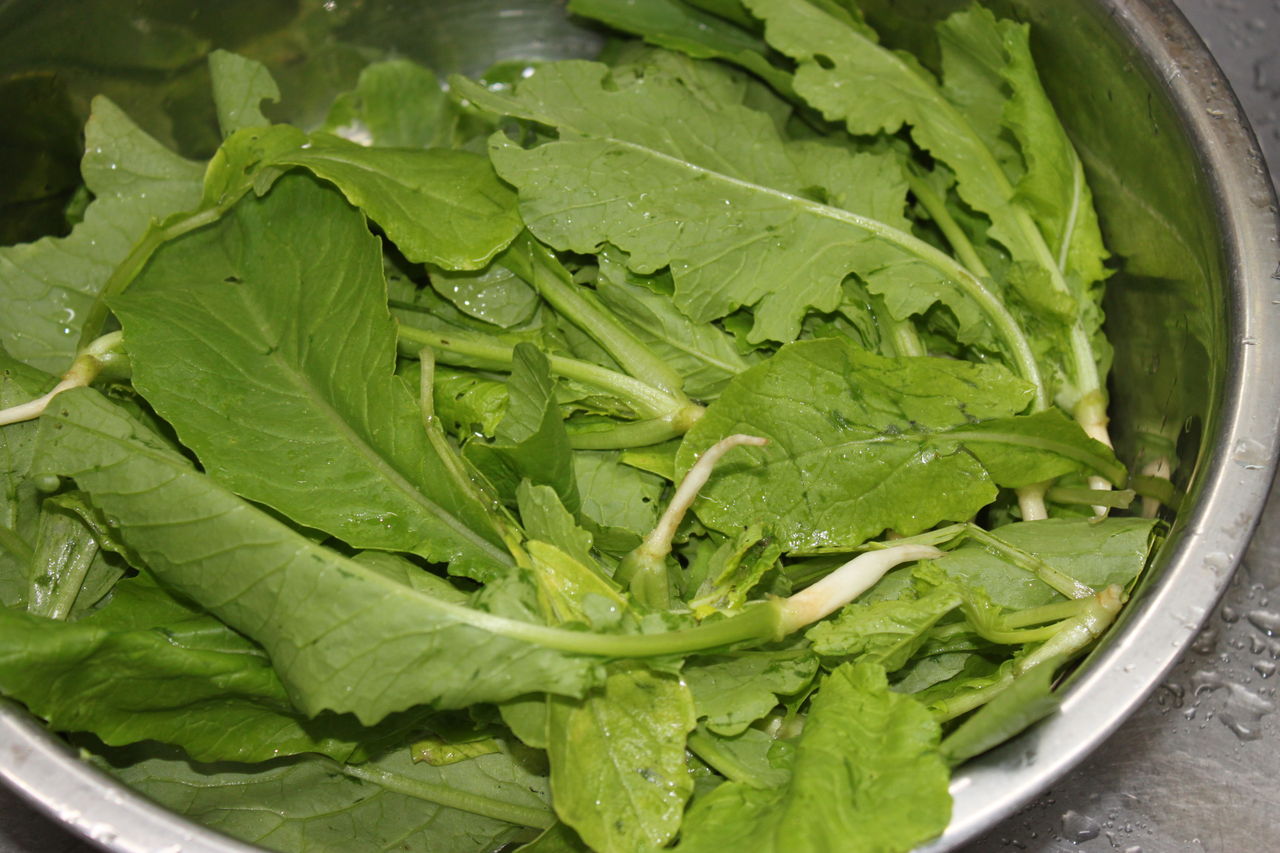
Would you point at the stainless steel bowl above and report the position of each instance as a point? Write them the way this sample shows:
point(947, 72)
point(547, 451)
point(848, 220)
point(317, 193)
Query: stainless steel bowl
point(1194, 312)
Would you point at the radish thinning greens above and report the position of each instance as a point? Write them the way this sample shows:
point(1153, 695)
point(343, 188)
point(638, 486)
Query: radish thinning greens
point(704, 444)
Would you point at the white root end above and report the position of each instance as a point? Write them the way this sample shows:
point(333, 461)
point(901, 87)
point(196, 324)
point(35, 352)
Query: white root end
point(1091, 414)
point(88, 364)
point(1161, 469)
point(849, 581)
point(664, 532)
point(1031, 502)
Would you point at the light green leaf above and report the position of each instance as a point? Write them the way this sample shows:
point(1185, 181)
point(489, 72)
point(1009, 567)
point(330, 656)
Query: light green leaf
point(275, 365)
point(1033, 448)
point(495, 294)
point(858, 443)
point(616, 495)
point(396, 104)
point(341, 636)
point(49, 286)
point(733, 691)
point(843, 72)
point(866, 777)
point(531, 441)
point(240, 86)
point(313, 805)
point(438, 206)
point(1098, 553)
point(466, 402)
point(704, 355)
point(545, 518)
point(886, 632)
point(618, 773)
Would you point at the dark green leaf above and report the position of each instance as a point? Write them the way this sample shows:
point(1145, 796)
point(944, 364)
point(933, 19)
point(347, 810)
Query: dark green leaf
point(312, 805)
point(1028, 700)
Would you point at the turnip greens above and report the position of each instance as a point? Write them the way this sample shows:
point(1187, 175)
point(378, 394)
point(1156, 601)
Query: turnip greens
point(702, 446)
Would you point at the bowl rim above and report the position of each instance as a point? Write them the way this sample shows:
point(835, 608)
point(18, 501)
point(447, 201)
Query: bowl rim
point(1199, 560)
point(1197, 563)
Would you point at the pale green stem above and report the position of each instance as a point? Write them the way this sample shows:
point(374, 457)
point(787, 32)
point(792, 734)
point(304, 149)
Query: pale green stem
point(99, 355)
point(647, 400)
point(936, 207)
point(721, 760)
point(645, 568)
point(1071, 637)
point(534, 263)
point(848, 582)
point(455, 467)
point(622, 436)
point(1060, 581)
point(450, 797)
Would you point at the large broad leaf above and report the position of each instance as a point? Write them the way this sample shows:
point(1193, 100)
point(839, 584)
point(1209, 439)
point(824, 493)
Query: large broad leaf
point(1098, 553)
point(312, 805)
point(342, 636)
point(618, 772)
point(47, 287)
point(145, 667)
point(711, 190)
point(860, 443)
point(866, 777)
point(265, 340)
point(1049, 178)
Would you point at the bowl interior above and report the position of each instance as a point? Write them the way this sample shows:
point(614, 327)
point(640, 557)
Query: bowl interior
point(1183, 206)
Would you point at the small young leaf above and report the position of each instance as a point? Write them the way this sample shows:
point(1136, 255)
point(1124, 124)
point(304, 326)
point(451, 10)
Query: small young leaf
point(240, 86)
point(732, 692)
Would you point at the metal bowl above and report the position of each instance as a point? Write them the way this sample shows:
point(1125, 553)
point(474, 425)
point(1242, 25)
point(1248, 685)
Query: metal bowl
point(1193, 310)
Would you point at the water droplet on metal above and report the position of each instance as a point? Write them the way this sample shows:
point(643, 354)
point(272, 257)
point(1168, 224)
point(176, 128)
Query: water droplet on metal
point(1077, 827)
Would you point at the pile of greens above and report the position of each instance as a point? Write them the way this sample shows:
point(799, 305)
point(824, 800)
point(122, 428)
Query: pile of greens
point(705, 445)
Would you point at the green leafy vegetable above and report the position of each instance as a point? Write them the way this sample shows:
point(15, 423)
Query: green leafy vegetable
point(375, 533)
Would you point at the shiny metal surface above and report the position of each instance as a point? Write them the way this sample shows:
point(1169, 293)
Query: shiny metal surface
point(1198, 252)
